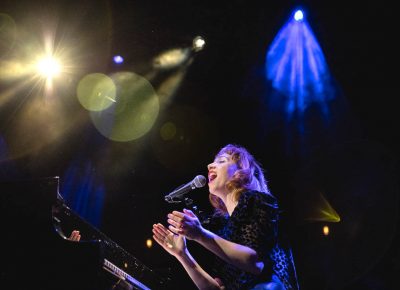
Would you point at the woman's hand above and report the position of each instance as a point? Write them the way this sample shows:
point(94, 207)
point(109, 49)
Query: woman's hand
point(185, 223)
point(173, 243)
point(75, 236)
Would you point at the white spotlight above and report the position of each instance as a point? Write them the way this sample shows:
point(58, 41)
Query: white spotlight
point(49, 67)
point(198, 43)
point(298, 15)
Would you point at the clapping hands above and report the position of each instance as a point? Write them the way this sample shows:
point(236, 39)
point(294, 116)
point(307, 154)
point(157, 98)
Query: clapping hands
point(185, 223)
point(173, 243)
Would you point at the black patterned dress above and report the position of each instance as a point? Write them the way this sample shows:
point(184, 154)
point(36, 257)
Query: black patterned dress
point(254, 223)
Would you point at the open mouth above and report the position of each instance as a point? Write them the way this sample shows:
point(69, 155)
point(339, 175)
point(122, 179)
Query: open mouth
point(211, 176)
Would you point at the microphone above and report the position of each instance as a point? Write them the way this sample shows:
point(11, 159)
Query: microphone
point(197, 182)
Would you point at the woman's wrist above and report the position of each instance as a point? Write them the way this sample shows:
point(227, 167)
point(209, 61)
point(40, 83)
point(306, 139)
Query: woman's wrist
point(197, 234)
point(184, 257)
point(203, 236)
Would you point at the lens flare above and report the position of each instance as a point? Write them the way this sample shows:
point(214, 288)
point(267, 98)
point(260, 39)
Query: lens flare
point(168, 131)
point(8, 30)
point(96, 92)
point(49, 67)
point(134, 112)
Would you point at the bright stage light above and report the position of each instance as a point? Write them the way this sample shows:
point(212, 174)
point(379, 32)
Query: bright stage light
point(298, 15)
point(118, 59)
point(198, 43)
point(49, 67)
point(149, 243)
point(171, 58)
point(325, 230)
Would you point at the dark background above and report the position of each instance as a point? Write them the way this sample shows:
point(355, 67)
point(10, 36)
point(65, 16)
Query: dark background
point(220, 101)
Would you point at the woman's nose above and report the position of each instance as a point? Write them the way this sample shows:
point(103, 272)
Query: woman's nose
point(210, 166)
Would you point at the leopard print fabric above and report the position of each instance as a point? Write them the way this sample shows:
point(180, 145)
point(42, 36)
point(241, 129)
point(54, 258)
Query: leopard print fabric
point(283, 266)
point(253, 223)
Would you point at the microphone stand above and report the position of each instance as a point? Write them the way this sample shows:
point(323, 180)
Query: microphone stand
point(203, 218)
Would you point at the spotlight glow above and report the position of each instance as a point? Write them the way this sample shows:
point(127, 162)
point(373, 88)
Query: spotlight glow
point(118, 59)
point(296, 67)
point(298, 15)
point(325, 230)
point(323, 211)
point(171, 58)
point(49, 67)
point(198, 43)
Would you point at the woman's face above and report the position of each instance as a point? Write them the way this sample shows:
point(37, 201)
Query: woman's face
point(219, 173)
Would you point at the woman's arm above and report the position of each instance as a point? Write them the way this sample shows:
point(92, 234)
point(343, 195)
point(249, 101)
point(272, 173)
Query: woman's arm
point(238, 255)
point(200, 277)
point(241, 256)
point(176, 246)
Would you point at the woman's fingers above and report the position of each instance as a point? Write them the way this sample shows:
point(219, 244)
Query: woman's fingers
point(179, 215)
point(163, 237)
point(157, 239)
point(175, 224)
point(178, 220)
point(159, 236)
point(161, 229)
point(189, 212)
point(176, 216)
point(175, 230)
point(158, 233)
point(75, 236)
point(164, 233)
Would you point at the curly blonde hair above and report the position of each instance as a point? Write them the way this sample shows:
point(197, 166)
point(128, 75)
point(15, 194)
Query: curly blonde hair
point(249, 176)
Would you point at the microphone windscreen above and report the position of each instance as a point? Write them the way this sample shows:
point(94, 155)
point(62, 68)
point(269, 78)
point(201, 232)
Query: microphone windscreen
point(199, 181)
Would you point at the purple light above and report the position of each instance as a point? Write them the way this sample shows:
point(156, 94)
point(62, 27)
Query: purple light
point(118, 59)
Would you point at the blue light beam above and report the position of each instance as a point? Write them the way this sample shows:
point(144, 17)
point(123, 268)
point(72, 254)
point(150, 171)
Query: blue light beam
point(83, 192)
point(296, 67)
